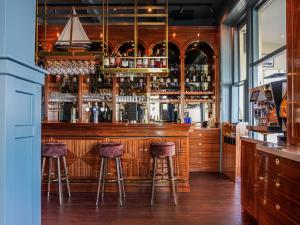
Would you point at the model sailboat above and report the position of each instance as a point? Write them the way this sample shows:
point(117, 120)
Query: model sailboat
point(73, 35)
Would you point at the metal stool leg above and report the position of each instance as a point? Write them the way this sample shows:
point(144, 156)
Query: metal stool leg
point(43, 168)
point(171, 177)
point(59, 180)
point(49, 175)
point(99, 180)
point(66, 175)
point(122, 177)
point(104, 177)
point(153, 179)
point(119, 180)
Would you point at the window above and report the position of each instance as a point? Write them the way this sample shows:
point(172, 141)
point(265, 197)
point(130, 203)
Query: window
point(240, 76)
point(241, 102)
point(271, 27)
point(271, 70)
point(270, 44)
point(242, 53)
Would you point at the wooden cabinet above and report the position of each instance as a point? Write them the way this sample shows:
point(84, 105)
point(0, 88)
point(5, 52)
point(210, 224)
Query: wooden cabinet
point(205, 150)
point(229, 156)
point(249, 174)
point(293, 55)
point(279, 187)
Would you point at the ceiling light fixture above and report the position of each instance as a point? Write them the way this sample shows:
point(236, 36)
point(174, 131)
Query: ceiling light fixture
point(198, 35)
point(174, 35)
point(150, 9)
point(115, 9)
point(181, 10)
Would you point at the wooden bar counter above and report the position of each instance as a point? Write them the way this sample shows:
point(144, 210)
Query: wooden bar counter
point(83, 159)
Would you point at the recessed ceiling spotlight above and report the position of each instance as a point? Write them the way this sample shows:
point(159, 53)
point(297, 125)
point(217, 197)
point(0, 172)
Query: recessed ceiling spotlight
point(174, 35)
point(198, 35)
point(115, 9)
point(57, 34)
point(150, 9)
point(101, 35)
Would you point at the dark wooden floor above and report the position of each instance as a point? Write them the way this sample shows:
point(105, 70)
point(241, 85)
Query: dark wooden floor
point(213, 200)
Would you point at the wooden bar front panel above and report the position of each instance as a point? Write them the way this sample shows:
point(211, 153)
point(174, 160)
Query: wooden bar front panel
point(83, 158)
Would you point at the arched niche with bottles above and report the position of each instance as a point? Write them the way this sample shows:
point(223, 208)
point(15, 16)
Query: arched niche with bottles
point(171, 83)
point(165, 90)
point(199, 82)
point(131, 98)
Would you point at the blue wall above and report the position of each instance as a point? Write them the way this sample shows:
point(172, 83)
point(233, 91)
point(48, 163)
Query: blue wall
point(20, 120)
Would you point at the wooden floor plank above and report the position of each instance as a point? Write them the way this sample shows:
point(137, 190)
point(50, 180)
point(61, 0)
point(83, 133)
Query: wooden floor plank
point(213, 200)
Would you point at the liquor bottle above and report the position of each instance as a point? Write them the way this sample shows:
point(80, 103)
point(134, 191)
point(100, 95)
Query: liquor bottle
point(187, 76)
point(145, 61)
point(106, 61)
point(131, 61)
point(102, 112)
point(73, 114)
point(139, 61)
point(99, 79)
point(157, 63)
point(164, 61)
point(125, 63)
point(112, 61)
point(152, 61)
point(95, 113)
point(74, 88)
point(194, 76)
point(118, 60)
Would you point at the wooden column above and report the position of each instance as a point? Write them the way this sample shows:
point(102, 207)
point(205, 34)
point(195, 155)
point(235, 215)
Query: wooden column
point(46, 97)
point(182, 85)
point(293, 69)
point(114, 102)
point(80, 97)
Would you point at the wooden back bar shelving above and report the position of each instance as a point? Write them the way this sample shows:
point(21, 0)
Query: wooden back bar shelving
point(149, 36)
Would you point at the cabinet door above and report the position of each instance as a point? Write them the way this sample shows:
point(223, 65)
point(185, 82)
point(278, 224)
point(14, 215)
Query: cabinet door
point(249, 187)
point(293, 52)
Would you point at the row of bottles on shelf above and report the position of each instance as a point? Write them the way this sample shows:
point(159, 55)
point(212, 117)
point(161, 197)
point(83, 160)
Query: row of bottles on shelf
point(198, 78)
point(166, 84)
point(156, 60)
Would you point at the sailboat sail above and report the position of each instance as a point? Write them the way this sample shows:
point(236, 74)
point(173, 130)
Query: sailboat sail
point(73, 33)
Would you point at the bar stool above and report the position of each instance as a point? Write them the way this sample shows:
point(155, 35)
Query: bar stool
point(56, 151)
point(163, 150)
point(107, 151)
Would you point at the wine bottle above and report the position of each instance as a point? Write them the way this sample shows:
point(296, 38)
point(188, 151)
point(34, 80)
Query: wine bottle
point(164, 61)
point(112, 61)
point(145, 61)
point(106, 61)
point(125, 63)
point(157, 63)
point(152, 61)
point(139, 61)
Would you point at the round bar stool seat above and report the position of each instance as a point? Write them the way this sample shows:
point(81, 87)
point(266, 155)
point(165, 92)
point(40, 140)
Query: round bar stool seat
point(54, 150)
point(110, 149)
point(162, 149)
